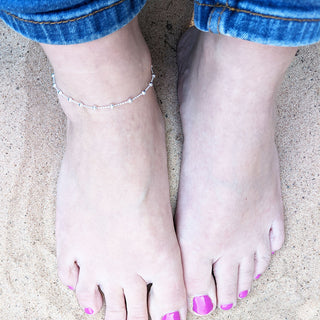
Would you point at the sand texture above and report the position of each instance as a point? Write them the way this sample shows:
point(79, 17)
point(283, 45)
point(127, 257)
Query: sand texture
point(32, 135)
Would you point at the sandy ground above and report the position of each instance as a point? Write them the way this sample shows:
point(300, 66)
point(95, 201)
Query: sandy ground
point(31, 143)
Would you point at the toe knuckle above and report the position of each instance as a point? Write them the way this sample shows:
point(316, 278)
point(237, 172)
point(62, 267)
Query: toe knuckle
point(248, 273)
point(84, 296)
point(137, 313)
point(115, 313)
point(142, 316)
point(229, 293)
point(265, 259)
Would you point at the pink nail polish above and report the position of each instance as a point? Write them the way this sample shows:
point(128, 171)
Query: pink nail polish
point(71, 288)
point(243, 294)
point(172, 316)
point(88, 311)
point(226, 306)
point(202, 305)
point(258, 276)
point(273, 252)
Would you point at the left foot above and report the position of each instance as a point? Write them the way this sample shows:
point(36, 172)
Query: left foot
point(229, 215)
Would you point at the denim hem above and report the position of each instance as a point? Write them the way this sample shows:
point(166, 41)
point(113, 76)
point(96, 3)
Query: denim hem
point(89, 22)
point(273, 26)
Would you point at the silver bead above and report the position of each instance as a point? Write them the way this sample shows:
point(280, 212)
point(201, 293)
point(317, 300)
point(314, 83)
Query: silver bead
point(151, 84)
point(59, 92)
point(94, 108)
point(111, 106)
point(129, 100)
point(69, 99)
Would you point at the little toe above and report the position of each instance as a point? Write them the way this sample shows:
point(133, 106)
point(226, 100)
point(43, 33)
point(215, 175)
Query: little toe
point(136, 298)
point(276, 235)
point(88, 294)
point(226, 275)
point(246, 272)
point(68, 272)
point(201, 290)
point(115, 303)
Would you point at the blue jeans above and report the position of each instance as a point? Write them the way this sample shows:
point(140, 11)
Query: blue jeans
point(273, 22)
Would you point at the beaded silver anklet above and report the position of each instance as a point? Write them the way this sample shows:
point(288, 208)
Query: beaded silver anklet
point(109, 106)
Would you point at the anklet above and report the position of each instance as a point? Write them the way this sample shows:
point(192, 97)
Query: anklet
point(109, 106)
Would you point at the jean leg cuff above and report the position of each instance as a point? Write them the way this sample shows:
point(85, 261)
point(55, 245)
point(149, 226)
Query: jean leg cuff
point(90, 21)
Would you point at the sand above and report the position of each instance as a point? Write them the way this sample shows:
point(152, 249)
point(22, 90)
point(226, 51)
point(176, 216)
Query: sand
point(32, 135)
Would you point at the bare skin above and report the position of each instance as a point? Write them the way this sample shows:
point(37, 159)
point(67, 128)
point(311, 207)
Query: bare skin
point(230, 214)
point(114, 227)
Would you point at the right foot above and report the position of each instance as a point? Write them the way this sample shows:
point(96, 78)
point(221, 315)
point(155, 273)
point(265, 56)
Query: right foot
point(114, 225)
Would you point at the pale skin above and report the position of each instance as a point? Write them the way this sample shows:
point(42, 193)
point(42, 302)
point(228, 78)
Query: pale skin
point(230, 184)
point(114, 225)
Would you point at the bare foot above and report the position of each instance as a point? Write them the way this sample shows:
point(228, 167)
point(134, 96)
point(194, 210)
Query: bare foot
point(230, 215)
point(114, 225)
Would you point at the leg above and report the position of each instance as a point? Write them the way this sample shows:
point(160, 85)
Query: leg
point(114, 225)
point(230, 215)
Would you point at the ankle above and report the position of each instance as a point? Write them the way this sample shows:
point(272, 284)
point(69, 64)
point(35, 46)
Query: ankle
point(104, 71)
point(241, 60)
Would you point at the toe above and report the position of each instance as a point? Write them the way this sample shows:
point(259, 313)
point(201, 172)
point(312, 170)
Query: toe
point(88, 294)
point(276, 235)
point(246, 273)
point(68, 272)
point(262, 260)
point(200, 285)
point(115, 303)
point(136, 298)
point(226, 275)
point(167, 298)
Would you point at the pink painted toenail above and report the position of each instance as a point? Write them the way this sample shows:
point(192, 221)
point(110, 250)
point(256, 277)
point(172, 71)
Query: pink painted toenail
point(226, 306)
point(202, 305)
point(243, 294)
point(71, 288)
point(172, 316)
point(88, 311)
point(273, 252)
point(258, 276)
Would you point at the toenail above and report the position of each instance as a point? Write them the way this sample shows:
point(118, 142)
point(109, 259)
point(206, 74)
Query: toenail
point(88, 311)
point(226, 306)
point(172, 316)
point(273, 252)
point(202, 305)
point(258, 276)
point(71, 288)
point(243, 294)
